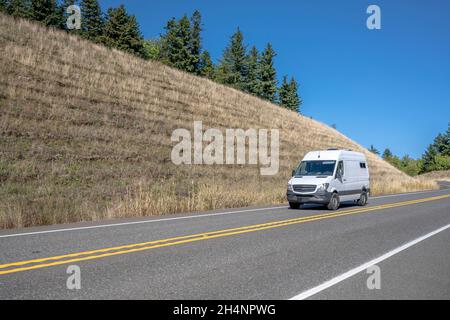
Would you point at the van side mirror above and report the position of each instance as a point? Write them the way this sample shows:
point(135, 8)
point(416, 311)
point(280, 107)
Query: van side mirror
point(293, 173)
point(338, 174)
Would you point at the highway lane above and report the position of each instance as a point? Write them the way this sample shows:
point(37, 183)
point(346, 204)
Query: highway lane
point(421, 272)
point(269, 260)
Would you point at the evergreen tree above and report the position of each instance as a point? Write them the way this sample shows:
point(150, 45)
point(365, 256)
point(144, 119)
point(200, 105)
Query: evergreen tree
point(183, 58)
point(3, 5)
point(446, 150)
point(177, 45)
point(437, 156)
point(18, 8)
point(169, 43)
point(387, 154)
point(196, 41)
point(252, 80)
point(374, 150)
point(429, 159)
point(233, 66)
point(295, 100)
point(288, 95)
point(268, 74)
point(93, 23)
point(46, 11)
point(284, 93)
point(442, 143)
point(122, 32)
point(206, 66)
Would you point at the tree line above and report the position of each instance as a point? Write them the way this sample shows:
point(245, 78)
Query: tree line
point(435, 158)
point(115, 29)
point(180, 46)
point(250, 71)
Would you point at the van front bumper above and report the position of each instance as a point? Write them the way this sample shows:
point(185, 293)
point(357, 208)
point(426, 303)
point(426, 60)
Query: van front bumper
point(320, 197)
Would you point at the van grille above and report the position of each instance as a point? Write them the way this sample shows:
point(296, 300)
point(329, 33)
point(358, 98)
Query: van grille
point(304, 188)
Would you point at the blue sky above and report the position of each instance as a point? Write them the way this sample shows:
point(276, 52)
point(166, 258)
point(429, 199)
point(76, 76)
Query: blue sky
point(388, 87)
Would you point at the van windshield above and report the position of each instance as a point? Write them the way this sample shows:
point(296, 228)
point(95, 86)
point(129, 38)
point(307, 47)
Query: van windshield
point(316, 168)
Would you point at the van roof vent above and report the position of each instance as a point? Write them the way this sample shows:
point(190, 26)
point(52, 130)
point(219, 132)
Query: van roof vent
point(333, 149)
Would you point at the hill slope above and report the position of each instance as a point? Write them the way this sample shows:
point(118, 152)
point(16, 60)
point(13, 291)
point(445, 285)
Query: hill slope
point(85, 135)
point(436, 175)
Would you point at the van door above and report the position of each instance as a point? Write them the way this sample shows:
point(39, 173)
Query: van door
point(339, 181)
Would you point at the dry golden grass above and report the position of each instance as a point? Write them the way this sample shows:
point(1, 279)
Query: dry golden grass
point(85, 135)
point(436, 176)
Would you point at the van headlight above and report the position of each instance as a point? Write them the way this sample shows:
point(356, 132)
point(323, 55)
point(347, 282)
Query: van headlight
point(289, 187)
point(323, 187)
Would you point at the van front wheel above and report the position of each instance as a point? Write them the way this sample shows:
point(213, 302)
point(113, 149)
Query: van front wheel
point(334, 202)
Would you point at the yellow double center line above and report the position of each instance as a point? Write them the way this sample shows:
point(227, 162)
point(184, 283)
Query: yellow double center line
point(136, 247)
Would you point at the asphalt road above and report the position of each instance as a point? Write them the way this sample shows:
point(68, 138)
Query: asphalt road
point(252, 253)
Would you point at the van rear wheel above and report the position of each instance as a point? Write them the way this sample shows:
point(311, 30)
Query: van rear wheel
point(363, 199)
point(294, 205)
point(334, 202)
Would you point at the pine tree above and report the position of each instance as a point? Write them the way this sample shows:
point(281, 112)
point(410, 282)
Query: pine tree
point(18, 8)
point(295, 100)
point(374, 150)
point(206, 66)
point(92, 20)
point(196, 41)
point(169, 43)
point(284, 93)
point(387, 154)
point(3, 5)
point(233, 66)
point(429, 159)
point(183, 58)
point(268, 74)
point(177, 45)
point(442, 143)
point(252, 80)
point(437, 155)
point(288, 95)
point(46, 11)
point(122, 32)
point(446, 150)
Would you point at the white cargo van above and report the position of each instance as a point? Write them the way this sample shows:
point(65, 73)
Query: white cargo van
point(330, 177)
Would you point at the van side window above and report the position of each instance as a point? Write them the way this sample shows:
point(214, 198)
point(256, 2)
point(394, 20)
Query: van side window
point(340, 167)
point(362, 165)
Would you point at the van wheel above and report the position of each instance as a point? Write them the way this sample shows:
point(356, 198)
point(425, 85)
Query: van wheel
point(334, 202)
point(363, 199)
point(294, 205)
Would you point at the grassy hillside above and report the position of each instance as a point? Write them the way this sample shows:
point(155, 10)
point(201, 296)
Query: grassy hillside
point(436, 175)
point(85, 135)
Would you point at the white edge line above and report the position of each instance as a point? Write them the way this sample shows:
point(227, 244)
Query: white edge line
point(178, 218)
point(407, 194)
point(348, 274)
point(137, 222)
